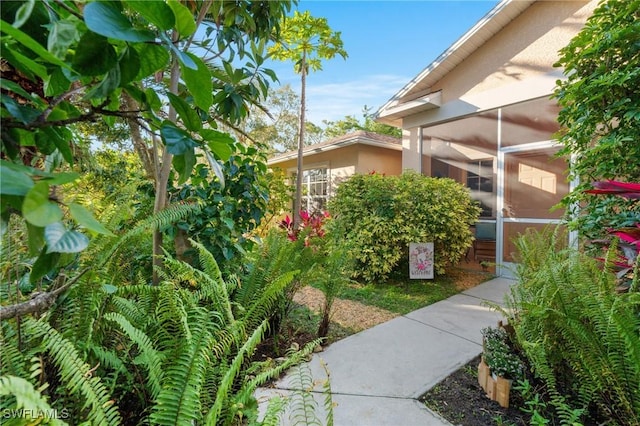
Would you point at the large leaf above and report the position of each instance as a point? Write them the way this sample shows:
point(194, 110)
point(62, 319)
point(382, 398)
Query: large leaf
point(220, 143)
point(36, 238)
point(153, 58)
point(43, 265)
point(199, 82)
point(176, 140)
point(185, 23)
point(23, 113)
point(106, 20)
point(36, 207)
point(62, 35)
point(56, 83)
point(13, 182)
point(156, 12)
point(129, 64)
point(62, 240)
point(30, 43)
point(190, 117)
point(184, 165)
point(23, 13)
point(94, 55)
point(85, 218)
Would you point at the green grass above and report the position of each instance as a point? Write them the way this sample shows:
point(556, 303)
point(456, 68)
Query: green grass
point(402, 295)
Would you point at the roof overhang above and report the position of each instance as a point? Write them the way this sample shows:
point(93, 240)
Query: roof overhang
point(422, 85)
point(341, 143)
point(425, 103)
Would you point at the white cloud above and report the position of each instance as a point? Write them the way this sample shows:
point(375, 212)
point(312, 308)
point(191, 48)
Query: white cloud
point(334, 101)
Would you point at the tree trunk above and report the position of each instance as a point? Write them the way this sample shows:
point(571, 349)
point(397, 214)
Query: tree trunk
point(145, 153)
point(297, 205)
point(163, 177)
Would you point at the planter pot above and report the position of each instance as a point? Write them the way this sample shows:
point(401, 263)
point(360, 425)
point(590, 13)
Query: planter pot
point(497, 388)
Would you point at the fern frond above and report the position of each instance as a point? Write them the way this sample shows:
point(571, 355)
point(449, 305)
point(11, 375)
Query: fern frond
point(76, 374)
point(274, 411)
point(29, 401)
point(149, 356)
point(303, 406)
point(179, 400)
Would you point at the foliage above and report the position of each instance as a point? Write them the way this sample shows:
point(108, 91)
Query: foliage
point(499, 355)
point(378, 216)
point(579, 336)
point(350, 124)
point(169, 354)
point(275, 122)
point(232, 207)
point(600, 101)
point(627, 261)
point(306, 41)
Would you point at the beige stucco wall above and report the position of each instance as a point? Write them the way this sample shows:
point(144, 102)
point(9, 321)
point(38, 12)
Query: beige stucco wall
point(346, 161)
point(514, 65)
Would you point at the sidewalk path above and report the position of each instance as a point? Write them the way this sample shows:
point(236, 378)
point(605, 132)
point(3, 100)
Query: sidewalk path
point(378, 375)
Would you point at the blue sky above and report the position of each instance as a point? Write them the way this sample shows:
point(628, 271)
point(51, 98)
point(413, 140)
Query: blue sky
point(388, 43)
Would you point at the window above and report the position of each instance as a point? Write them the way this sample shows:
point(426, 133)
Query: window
point(480, 182)
point(315, 189)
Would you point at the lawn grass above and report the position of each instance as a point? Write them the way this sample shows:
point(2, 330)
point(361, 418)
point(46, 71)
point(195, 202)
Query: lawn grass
point(403, 295)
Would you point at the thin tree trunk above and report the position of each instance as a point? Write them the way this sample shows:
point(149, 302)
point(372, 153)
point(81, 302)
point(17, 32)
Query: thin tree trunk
point(139, 145)
point(163, 178)
point(297, 205)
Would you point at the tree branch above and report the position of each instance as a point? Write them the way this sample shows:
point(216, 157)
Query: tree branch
point(38, 303)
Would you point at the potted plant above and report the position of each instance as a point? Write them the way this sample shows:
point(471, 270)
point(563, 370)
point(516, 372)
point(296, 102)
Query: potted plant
point(499, 365)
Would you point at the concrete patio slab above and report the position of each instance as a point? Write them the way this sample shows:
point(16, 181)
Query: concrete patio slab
point(493, 290)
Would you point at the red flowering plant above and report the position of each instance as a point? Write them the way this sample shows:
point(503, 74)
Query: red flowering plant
point(312, 226)
point(625, 260)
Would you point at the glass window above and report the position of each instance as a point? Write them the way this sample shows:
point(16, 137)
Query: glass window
point(315, 189)
point(480, 182)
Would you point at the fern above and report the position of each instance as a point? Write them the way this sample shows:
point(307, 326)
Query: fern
point(303, 405)
point(29, 402)
point(580, 336)
point(179, 399)
point(77, 375)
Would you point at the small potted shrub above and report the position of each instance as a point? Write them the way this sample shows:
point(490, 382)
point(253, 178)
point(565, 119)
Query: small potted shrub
point(499, 365)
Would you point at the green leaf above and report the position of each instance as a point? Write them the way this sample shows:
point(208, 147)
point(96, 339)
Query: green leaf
point(217, 169)
point(62, 34)
point(61, 139)
point(62, 240)
point(36, 238)
point(107, 86)
point(129, 64)
point(60, 178)
point(153, 58)
point(153, 99)
point(109, 289)
point(190, 118)
point(199, 83)
point(184, 165)
point(94, 55)
point(27, 66)
point(185, 23)
point(220, 143)
point(156, 12)
point(13, 182)
point(23, 113)
point(56, 83)
point(36, 207)
point(85, 218)
point(176, 140)
point(43, 265)
point(106, 20)
point(30, 44)
point(23, 13)
point(16, 88)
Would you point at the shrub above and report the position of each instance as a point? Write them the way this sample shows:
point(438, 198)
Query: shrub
point(378, 216)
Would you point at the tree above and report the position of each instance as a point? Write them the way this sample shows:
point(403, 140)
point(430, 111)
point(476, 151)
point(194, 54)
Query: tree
point(70, 62)
point(276, 124)
point(306, 41)
point(350, 124)
point(600, 101)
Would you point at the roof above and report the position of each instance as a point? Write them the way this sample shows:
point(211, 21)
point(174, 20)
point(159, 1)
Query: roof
point(359, 137)
point(417, 95)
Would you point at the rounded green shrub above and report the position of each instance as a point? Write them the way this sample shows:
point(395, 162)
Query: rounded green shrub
point(378, 216)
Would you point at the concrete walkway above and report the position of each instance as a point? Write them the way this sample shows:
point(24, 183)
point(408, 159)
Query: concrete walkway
point(377, 375)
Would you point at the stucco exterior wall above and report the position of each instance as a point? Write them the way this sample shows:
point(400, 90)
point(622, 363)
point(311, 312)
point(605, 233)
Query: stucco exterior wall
point(379, 160)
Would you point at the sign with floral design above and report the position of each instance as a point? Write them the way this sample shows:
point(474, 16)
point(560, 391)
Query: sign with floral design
point(421, 261)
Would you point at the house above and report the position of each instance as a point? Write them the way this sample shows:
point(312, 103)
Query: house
point(482, 114)
point(326, 164)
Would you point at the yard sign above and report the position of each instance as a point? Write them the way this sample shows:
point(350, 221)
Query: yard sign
point(421, 261)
